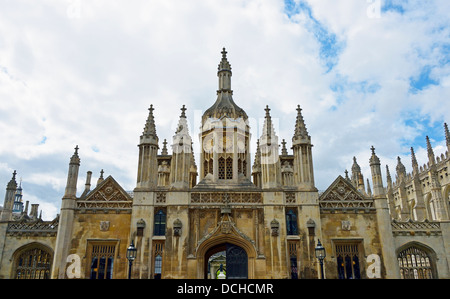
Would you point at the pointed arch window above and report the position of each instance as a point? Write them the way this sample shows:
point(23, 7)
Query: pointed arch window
point(291, 222)
point(229, 174)
point(160, 223)
point(415, 263)
point(34, 263)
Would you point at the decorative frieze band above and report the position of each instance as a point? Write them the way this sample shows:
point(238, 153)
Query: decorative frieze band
point(38, 228)
point(416, 227)
point(223, 197)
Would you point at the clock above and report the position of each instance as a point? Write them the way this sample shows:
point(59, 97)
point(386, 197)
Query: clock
point(208, 144)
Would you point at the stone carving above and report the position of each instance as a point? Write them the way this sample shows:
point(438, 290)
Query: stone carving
point(104, 226)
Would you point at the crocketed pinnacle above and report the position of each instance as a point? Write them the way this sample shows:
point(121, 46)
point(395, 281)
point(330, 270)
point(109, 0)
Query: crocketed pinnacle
point(300, 132)
point(355, 166)
point(257, 161)
point(149, 136)
point(401, 170)
point(414, 163)
point(430, 152)
point(150, 128)
point(268, 132)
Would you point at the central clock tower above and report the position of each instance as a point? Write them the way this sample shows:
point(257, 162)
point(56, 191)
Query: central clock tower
point(225, 137)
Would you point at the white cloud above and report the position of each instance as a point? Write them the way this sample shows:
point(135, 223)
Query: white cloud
point(85, 72)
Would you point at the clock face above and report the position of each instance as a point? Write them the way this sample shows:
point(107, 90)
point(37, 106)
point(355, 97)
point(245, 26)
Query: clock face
point(208, 144)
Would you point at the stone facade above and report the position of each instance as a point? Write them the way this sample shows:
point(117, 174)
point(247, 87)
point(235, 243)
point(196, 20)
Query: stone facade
point(264, 220)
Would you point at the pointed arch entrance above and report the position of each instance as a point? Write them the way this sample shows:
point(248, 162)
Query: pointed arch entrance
point(235, 263)
point(240, 256)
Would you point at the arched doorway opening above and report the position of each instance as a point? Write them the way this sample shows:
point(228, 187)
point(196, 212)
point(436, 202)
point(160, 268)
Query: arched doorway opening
point(232, 261)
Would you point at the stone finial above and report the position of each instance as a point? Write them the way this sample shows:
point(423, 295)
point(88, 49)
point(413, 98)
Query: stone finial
point(183, 111)
point(12, 185)
point(100, 179)
point(374, 159)
point(284, 151)
point(164, 149)
point(75, 159)
point(224, 64)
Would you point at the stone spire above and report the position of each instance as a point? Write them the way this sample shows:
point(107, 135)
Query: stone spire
point(149, 133)
point(430, 152)
point(388, 178)
point(256, 169)
point(181, 154)
point(401, 170)
point(414, 163)
point(270, 163)
point(147, 176)
point(6, 214)
point(369, 191)
point(268, 135)
point(356, 170)
point(300, 133)
point(377, 181)
point(447, 136)
point(302, 148)
point(72, 176)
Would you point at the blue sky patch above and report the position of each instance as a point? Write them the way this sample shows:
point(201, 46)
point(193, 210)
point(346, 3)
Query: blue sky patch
point(393, 6)
point(422, 81)
point(330, 47)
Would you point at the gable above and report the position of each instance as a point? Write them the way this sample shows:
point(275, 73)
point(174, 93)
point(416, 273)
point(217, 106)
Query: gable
point(106, 196)
point(343, 197)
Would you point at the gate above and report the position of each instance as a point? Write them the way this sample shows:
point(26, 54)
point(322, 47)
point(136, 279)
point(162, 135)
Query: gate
point(237, 262)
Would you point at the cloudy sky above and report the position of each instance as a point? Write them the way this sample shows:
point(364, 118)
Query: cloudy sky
point(84, 72)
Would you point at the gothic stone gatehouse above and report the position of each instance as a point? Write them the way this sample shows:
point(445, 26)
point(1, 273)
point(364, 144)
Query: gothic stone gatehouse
point(252, 221)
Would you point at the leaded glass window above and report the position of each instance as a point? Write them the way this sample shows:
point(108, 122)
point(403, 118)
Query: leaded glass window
point(160, 223)
point(414, 263)
point(34, 263)
point(347, 256)
point(291, 222)
point(102, 261)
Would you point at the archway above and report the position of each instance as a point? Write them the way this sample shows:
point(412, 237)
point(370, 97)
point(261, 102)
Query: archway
point(218, 243)
point(32, 261)
point(235, 264)
point(416, 261)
